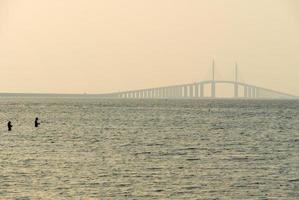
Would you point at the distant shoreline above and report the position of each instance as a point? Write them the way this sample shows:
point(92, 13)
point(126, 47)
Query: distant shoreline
point(48, 95)
point(103, 96)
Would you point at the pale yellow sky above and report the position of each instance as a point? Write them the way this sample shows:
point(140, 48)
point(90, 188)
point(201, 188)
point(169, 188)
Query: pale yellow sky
point(94, 46)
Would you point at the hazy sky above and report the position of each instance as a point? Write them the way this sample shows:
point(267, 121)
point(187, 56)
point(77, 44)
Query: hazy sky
point(95, 46)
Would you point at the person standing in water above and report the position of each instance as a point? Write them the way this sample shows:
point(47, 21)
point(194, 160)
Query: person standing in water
point(36, 123)
point(9, 125)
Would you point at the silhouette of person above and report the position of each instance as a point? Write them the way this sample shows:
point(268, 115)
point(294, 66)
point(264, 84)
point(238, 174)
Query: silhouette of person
point(36, 123)
point(9, 125)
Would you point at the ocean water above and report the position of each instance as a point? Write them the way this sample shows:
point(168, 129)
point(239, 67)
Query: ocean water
point(149, 149)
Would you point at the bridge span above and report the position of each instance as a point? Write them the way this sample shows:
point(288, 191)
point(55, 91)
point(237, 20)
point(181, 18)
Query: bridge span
point(198, 90)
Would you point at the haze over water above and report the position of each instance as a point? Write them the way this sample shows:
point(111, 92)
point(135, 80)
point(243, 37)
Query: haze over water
point(96, 46)
point(149, 149)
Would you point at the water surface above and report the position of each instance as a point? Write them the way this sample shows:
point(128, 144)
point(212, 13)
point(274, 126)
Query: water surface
point(149, 149)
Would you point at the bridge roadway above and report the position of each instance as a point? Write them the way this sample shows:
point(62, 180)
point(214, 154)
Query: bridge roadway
point(197, 90)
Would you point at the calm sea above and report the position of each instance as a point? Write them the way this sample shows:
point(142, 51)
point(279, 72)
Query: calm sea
point(149, 149)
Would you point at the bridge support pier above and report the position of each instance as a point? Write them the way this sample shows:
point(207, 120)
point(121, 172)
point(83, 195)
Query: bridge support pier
point(168, 92)
point(147, 94)
point(245, 92)
point(249, 93)
point(180, 92)
point(174, 92)
point(185, 92)
point(139, 96)
point(253, 91)
point(159, 93)
point(202, 90)
point(196, 90)
point(236, 90)
point(213, 89)
point(257, 93)
point(171, 92)
point(191, 91)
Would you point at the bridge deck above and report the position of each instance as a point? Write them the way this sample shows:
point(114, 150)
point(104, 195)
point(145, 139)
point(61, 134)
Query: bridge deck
point(196, 90)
